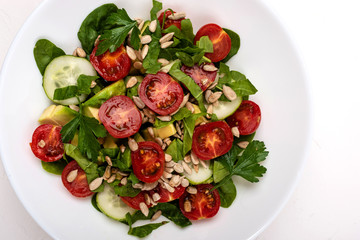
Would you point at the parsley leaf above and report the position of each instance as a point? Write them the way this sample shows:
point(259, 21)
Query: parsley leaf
point(189, 125)
point(84, 83)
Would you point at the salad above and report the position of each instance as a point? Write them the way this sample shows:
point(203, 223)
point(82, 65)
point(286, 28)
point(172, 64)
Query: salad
point(147, 118)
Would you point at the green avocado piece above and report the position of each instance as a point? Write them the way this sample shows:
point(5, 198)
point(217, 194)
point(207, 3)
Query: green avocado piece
point(115, 89)
point(91, 112)
point(138, 137)
point(165, 132)
point(57, 115)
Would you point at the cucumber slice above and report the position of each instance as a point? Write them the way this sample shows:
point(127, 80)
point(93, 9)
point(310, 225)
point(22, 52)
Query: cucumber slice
point(202, 176)
point(63, 71)
point(111, 204)
point(226, 109)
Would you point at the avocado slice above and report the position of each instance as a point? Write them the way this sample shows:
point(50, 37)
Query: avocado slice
point(110, 142)
point(57, 115)
point(138, 137)
point(91, 112)
point(165, 132)
point(200, 119)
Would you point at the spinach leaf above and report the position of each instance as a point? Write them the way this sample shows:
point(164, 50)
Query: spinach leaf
point(189, 125)
point(133, 178)
point(94, 203)
point(44, 52)
point(157, 6)
point(219, 171)
point(93, 25)
point(173, 213)
point(150, 62)
point(144, 230)
point(206, 44)
point(235, 44)
point(227, 193)
point(186, 31)
point(185, 58)
point(84, 83)
point(54, 167)
point(180, 115)
point(126, 190)
point(123, 161)
point(175, 150)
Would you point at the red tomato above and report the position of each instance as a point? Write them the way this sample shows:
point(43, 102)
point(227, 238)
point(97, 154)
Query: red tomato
point(204, 204)
point(220, 39)
point(202, 78)
point(120, 116)
point(165, 195)
point(169, 22)
point(161, 93)
point(247, 118)
point(46, 143)
point(79, 187)
point(111, 66)
point(212, 140)
point(148, 161)
point(134, 202)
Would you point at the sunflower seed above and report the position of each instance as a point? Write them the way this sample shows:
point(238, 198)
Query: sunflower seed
point(108, 160)
point(178, 129)
point(138, 102)
point(74, 107)
point(97, 40)
point(209, 68)
point(174, 180)
point(177, 135)
point(166, 118)
point(213, 85)
point(151, 120)
point(133, 144)
point(156, 215)
point(138, 54)
point(145, 119)
point(118, 176)
point(148, 112)
point(196, 168)
point(187, 206)
point(122, 148)
point(185, 100)
point(145, 39)
point(163, 179)
point(194, 158)
point(107, 173)
point(41, 143)
point(167, 175)
point(80, 52)
point(131, 53)
point(166, 37)
point(123, 173)
point(204, 81)
point(163, 61)
point(190, 107)
point(210, 109)
point(169, 188)
point(214, 97)
point(243, 144)
point(216, 103)
point(151, 132)
point(168, 157)
point(191, 190)
point(208, 93)
point(144, 209)
point(178, 168)
point(137, 65)
point(144, 51)
point(158, 141)
point(149, 186)
point(169, 169)
point(204, 163)
point(131, 82)
point(156, 197)
point(229, 93)
point(184, 182)
point(147, 199)
point(141, 24)
point(177, 16)
point(72, 175)
point(170, 164)
point(124, 181)
point(187, 159)
point(167, 141)
point(138, 185)
point(138, 20)
point(235, 131)
point(166, 44)
point(93, 84)
point(153, 25)
point(95, 183)
point(186, 167)
point(112, 178)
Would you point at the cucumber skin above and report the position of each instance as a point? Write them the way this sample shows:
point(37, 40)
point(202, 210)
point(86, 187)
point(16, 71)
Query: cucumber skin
point(208, 179)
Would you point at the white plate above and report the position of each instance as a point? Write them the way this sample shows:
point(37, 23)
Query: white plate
point(267, 57)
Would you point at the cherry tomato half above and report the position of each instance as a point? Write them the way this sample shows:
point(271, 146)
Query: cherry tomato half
point(79, 187)
point(202, 78)
point(204, 204)
point(165, 195)
point(169, 22)
point(247, 117)
point(220, 39)
point(148, 161)
point(120, 116)
point(212, 140)
point(46, 143)
point(134, 202)
point(111, 66)
point(161, 93)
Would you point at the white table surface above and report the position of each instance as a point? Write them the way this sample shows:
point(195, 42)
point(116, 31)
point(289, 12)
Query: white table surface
point(326, 201)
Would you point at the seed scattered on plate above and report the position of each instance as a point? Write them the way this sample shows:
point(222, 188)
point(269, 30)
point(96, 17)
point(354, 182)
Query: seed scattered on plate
point(95, 183)
point(72, 175)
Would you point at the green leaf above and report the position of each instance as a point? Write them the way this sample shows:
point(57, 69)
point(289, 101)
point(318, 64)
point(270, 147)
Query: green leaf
point(175, 150)
point(68, 131)
point(186, 31)
point(219, 171)
point(44, 52)
point(126, 190)
point(120, 18)
point(54, 167)
point(133, 178)
point(123, 162)
point(66, 92)
point(206, 44)
point(150, 62)
point(134, 38)
point(145, 230)
point(180, 115)
point(235, 44)
point(189, 125)
point(172, 212)
point(157, 6)
point(84, 83)
point(227, 193)
point(185, 58)
point(228, 159)
point(93, 25)
point(94, 203)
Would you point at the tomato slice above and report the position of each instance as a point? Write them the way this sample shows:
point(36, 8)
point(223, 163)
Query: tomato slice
point(120, 116)
point(79, 187)
point(161, 93)
point(169, 22)
point(220, 39)
point(46, 143)
point(204, 204)
point(165, 195)
point(202, 78)
point(134, 202)
point(148, 161)
point(247, 117)
point(212, 140)
point(111, 66)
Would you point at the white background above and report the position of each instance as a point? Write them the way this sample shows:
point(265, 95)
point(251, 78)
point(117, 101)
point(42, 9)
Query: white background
point(326, 202)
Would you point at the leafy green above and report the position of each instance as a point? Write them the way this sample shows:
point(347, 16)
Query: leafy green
point(206, 44)
point(123, 161)
point(94, 203)
point(44, 52)
point(150, 62)
point(189, 125)
point(54, 167)
point(180, 115)
point(134, 39)
point(84, 83)
point(121, 24)
point(219, 171)
point(88, 166)
point(227, 192)
point(185, 58)
point(133, 178)
point(144, 230)
point(190, 84)
point(126, 190)
point(157, 6)
point(93, 25)
point(181, 45)
point(186, 31)
point(175, 150)
point(235, 44)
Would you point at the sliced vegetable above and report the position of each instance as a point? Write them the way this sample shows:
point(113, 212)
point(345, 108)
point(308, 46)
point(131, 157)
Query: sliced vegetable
point(202, 175)
point(202, 78)
point(169, 22)
point(225, 109)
